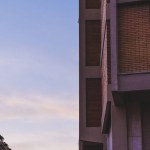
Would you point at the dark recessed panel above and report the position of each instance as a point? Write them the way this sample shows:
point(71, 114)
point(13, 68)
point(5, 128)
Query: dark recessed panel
point(134, 38)
point(146, 125)
point(93, 102)
point(93, 4)
point(93, 42)
point(92, 146)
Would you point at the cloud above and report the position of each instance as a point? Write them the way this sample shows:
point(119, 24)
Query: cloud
point(37, 121)
point(37, 107)
point(68, 143)
point(44, 140)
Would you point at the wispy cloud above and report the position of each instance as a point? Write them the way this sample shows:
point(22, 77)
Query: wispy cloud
point(39, 74)
point(39, 122)
point(37, 107)
point(46, 140)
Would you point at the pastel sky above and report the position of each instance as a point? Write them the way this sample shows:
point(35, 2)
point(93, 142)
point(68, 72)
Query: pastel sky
point(39, 74)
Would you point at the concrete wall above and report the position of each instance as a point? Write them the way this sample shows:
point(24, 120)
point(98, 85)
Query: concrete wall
point(92, 134)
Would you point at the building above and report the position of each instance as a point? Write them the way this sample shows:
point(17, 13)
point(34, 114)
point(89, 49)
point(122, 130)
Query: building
point(114, 75)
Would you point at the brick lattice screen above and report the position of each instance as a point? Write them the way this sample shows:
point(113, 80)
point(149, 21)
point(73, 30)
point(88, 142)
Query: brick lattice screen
point(93, 4)
point(93, 42)
point(134, 38)
point(93, 102)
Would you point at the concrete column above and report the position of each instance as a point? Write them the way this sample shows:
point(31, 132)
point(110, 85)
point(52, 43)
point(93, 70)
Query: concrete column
point(119, 127)
point(134, 126)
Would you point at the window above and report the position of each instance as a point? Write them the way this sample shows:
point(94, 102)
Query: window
point(93, 102)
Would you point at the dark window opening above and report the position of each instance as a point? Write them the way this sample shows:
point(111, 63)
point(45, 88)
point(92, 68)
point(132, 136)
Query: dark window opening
point(93, 102)
point(93, 42)
point(93, 4)
point(92, 146)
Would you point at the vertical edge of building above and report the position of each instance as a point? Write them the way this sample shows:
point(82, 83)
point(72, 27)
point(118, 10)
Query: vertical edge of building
point(90, 95)
point(114, 74)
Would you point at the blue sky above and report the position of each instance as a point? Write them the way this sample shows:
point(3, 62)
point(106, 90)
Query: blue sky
point(39, 74)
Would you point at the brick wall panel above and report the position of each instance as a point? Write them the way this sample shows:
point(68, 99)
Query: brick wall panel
point(93, 102)
point(93, 4)
point(93, 42)
point(134, 38)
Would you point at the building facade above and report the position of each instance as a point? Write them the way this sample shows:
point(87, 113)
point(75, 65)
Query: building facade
point(114, 75)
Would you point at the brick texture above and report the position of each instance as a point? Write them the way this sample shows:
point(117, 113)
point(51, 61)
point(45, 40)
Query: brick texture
point(93, 42)
point(134, 38)
point(93, 102)
point(93, 4)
